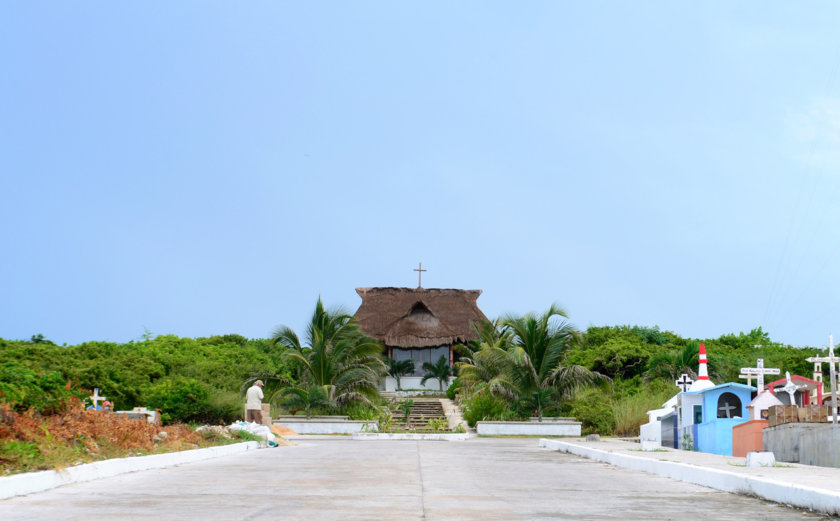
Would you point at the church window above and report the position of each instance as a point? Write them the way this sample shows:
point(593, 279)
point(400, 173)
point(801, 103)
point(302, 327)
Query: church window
point(420, 356)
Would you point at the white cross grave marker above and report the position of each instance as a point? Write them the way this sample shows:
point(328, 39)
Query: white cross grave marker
point(748, 377)
point(95, 398)
point(759, 371)
point(727, 408)
point(791, 388)
point(831, 359)
point(684, 382)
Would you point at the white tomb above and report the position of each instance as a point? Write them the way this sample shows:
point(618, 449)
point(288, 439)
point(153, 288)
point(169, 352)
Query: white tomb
point(760, 404)
point(650, 434)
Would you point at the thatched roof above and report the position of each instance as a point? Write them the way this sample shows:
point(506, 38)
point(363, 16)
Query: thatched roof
point(405, 317)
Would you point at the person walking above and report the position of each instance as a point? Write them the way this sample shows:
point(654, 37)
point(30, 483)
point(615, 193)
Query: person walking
point(253, 404)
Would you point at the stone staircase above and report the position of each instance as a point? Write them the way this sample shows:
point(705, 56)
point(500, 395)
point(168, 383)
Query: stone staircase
point(421, 412)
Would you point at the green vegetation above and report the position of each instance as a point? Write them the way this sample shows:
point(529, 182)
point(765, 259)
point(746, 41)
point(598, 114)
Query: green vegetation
point(399, 368)
point(520, 366)
point(405, 406)
point(23, 388)
point(523, 364)
point(301, 397)
point(642, 363)
point(338, 366)
point(439, 371)
point(189, 380)
point(453, 389)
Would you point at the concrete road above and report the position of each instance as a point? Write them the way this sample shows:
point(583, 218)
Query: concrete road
point(340, 479)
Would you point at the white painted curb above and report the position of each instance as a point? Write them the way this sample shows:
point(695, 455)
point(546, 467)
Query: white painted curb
point(31, 482)
point(825, 501)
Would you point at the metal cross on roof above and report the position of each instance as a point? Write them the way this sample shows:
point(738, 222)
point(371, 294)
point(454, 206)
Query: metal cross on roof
point(791, 388)
point(684, 382)
point(759, 371)
point(831, 360)
point(420, 271)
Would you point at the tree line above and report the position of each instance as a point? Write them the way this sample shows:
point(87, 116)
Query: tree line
point(536, 364)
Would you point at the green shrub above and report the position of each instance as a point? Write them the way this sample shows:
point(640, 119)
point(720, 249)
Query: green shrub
point(485, 407)
point(20, 454)
point(45, 391)
point(360, 411)
point(452, 389)
point(593, 408)
point(225, 407)
point(188, 400)
point(630, 412)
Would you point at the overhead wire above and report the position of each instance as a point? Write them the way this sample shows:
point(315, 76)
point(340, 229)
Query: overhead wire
point(781, 286)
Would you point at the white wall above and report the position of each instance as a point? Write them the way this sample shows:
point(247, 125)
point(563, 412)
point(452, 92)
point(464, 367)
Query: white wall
point(652, 432)
point(564, 428)
point(328, 426)
point(413, 382)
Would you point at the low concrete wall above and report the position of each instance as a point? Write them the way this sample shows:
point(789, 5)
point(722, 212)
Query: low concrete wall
point(316, 426)
point(806, 443)
point(434, 436)
point(31, 482)
point(746, 438)
point(413, 383)
point(555, 428)
point(651, 431)
point(299, 418)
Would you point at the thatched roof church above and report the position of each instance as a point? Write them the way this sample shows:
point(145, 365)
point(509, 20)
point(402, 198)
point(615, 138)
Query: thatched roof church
point(419, 324)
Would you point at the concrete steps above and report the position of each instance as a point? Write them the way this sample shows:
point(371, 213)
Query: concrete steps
point(423, 410)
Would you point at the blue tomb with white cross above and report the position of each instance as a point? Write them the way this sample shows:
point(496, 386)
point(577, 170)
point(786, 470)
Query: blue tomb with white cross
point(709, 415)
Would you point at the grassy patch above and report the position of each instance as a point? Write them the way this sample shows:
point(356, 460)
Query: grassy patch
point(525, 436)
point(775, 465)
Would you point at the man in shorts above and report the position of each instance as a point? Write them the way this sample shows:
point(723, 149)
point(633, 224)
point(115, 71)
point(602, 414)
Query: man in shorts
point(253, 405)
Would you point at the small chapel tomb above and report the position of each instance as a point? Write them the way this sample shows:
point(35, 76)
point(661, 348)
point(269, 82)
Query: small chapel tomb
point(709, 415)
point(806, 391)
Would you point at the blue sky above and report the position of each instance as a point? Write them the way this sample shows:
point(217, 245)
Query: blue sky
point(206, 168)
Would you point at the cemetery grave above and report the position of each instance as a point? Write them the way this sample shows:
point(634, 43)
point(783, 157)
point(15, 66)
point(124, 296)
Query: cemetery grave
point(76, 435)
point(80, 433)
point(786, 417)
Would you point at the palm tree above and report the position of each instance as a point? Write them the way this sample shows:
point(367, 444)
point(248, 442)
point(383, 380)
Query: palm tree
point(337, 357)
point(488, 333)
point(399, 368)
point(439, 370)
point(487, 371)
point(304, 398)
point(538, 346)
